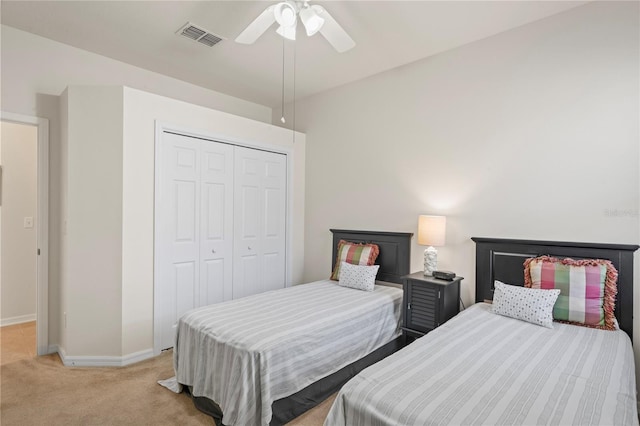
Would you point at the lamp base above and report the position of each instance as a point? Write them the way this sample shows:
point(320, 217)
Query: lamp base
point(430, 261)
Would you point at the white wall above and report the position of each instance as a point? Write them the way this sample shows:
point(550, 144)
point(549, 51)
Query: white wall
point(19, 146)
point(533, 133)
point(36, 65)
point(93, 221)
point(109, 210)
point(36, 70)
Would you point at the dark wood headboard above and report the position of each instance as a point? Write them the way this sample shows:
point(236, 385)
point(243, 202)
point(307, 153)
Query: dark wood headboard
point(395, 251)
point(502, 259)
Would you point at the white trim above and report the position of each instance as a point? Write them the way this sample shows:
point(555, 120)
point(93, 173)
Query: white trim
point(137, 356)
point(289, 225)
point(42, 226)
point(157, 326)
point(104, 361)
point(161, 127)
point(17, 320)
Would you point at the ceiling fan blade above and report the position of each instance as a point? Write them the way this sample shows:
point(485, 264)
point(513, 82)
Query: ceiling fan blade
point(257, 27)
point(333, 32)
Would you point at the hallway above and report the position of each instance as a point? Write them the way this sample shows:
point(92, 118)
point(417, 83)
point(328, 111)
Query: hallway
point(17, 342)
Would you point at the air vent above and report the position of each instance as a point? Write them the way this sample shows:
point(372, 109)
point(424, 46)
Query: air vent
point(199, 34)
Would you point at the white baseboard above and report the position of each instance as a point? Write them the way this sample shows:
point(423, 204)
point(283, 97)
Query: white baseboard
point(137, 356)
point(17, 320)
point(104, 361)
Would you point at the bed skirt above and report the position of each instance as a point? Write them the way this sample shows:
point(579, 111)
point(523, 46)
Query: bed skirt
point(287, 409)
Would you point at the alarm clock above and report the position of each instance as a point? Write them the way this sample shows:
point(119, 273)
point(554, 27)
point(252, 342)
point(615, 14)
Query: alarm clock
point(444, 275)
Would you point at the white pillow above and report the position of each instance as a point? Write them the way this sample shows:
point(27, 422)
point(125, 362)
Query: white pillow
point(361, 277)
point(527, 304)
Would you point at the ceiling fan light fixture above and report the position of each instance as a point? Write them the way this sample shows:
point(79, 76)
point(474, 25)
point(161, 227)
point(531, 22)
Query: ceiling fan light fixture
point(311, 20)
point(285, 14)
point(287, 32)
point(314, 18)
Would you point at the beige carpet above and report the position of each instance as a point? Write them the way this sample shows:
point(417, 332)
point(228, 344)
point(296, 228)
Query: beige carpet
point(42, 391)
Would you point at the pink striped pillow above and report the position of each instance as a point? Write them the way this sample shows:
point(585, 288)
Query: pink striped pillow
point(588, 288)
point(355, 254)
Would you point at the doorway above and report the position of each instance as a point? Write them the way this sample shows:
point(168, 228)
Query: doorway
point(24, 190)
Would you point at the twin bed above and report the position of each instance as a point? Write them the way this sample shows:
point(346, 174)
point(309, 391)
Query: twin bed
point(483, 368)
point(268, 358)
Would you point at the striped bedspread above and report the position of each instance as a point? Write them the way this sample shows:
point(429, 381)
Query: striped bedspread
point(481, 368)
point(246, 353)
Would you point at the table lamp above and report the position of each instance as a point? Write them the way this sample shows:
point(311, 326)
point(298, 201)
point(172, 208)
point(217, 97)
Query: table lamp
point(431, 231)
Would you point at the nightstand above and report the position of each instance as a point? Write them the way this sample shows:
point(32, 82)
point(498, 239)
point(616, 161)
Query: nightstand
point(428, 303)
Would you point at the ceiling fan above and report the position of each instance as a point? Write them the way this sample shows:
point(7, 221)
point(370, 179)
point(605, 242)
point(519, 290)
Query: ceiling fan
point(315, 19)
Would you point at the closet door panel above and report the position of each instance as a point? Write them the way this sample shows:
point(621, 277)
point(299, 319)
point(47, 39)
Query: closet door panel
point(273, 267)
point(216, 229)
point(212, 273)
point(247, 276)
point(250, 214)
point(275, 215)
point(178, 224)
point(184, 171)
point(184, 201)
point(185, 287)
point(247, 222)
point(183, 198)
point(260, 214)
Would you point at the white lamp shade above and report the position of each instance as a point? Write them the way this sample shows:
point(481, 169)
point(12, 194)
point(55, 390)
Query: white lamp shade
point(285, 14)
point(312, 22)
point(431, 230)
point(287, 32)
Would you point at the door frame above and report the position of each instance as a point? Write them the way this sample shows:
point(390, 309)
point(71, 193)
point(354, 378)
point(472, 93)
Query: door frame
point(160, 128)
point(42, 226)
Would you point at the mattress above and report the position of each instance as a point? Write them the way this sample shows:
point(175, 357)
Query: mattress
point(246, 353)
point(485, 369)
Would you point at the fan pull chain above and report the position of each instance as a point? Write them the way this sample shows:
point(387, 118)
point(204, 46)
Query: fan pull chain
point(293, 126)
point(282, 116)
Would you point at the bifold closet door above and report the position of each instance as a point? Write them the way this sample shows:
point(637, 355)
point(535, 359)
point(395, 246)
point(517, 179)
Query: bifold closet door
point(195, 221)
point(259, 260)
point(216, 223)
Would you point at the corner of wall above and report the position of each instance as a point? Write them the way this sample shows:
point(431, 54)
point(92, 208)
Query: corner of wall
point(92, 221)
point(64, 188)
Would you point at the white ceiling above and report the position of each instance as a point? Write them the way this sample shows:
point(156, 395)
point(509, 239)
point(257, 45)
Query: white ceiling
point(388, 34)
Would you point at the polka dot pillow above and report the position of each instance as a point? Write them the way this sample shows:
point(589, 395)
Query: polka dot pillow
point(526, 304)
point(360, 277)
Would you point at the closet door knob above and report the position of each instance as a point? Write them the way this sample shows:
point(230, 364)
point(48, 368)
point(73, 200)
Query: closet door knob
point(213, 251)
point(249, 248)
